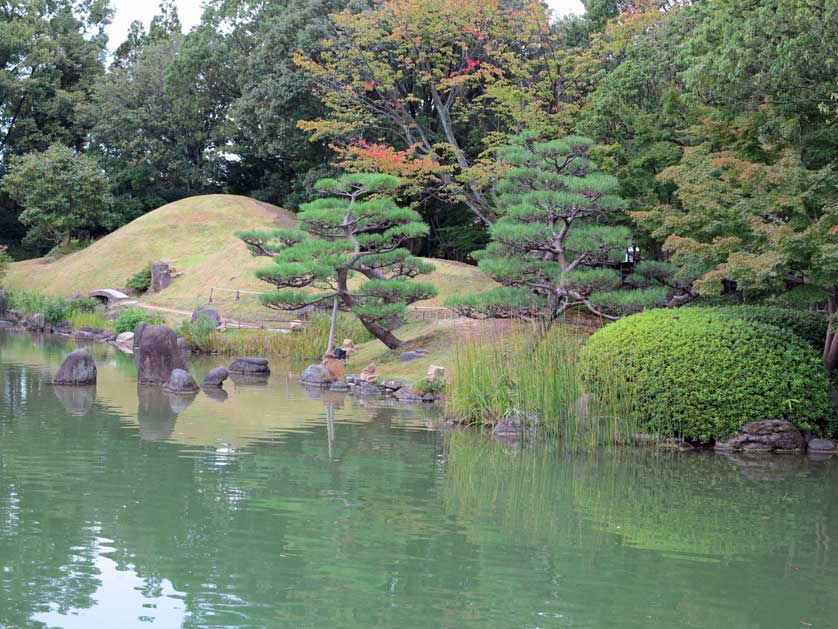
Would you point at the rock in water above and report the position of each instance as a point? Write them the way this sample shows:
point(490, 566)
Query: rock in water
point(250, 366)
point(161, 276)
point(317, 375)
point(37, 322)
point(216, 377)
point(766, 436)
point(209, 313)
point(366, 389)
point(158, 355)
point(125, 341)
point(78, 369)
point(138, 334)
point(821, 445)
point(180, 382)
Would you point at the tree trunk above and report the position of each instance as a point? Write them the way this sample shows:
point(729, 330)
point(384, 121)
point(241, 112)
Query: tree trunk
point(333, 326)
point(381, 333)
point(830, 346)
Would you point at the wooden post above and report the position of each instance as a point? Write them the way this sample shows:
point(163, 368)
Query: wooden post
point(333, 326)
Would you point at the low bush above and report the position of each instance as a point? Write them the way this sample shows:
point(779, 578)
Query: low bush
point(85, 304)
point(809, 326)
point(201, 335)
point(702, 373)
point(128, 318)
point(141, 280)
point(55, 309)
point(432, 386)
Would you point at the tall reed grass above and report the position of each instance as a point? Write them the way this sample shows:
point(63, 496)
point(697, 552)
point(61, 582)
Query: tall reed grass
point(496, 376)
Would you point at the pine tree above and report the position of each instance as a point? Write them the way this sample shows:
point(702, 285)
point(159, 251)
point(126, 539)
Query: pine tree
point(553, 248)
point(355, 233)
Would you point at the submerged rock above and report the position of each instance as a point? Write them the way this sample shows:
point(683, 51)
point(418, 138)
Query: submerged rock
point(158, 355)
point(317, 375)
point(78, 369)
point(180, 382)
point(249, 365)
point(770, 435)
point(216, 377)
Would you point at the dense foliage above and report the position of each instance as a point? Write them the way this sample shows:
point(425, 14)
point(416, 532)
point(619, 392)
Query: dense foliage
point(355, 232)
point(702, 373)
point(128, 318)
point(809, 326)
point(140, 282)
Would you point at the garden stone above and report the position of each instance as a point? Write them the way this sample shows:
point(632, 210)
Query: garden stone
point(209, 313)
point(216, 377)
point(317, 375)
point(84, 335)
point(183, 346)
point(158, 355)
point(78, 369)
point(340, 387)
point(37, 322)
point(770, 435)
point(181, 381)
point(161, 276)
point(125, 341)
point(821, 445)
point(406, 394)
point(249, 365)
point(412, 355)
point(366, 389)
point(392, 385)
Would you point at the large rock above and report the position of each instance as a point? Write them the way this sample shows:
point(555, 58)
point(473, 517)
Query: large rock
point(180, 382)
point(317, 375)
point(138, 334)
point(216, 377)
point(208, 313)
point(78, 369)
point(770, 435)
point(158, 355)
point(406, 394)
point(250, 365)
point(161, 276)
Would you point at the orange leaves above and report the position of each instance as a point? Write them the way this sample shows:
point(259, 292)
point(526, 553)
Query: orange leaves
point(364, 156)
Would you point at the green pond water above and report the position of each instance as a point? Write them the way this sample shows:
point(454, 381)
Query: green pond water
point(277, 507)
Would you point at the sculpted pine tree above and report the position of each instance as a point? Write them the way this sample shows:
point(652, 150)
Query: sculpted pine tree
point(350, 247)
point(553, 249)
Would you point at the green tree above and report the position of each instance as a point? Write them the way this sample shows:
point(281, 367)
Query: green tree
point(758, 228)
point(64, 194)
point(553, 242)
point(51, 54)
point(351, 250)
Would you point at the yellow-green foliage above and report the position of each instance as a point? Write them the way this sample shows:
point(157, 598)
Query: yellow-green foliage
point(95, 319)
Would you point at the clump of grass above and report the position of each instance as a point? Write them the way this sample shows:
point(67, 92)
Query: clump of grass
point(306, 343)
point(498, 376)
point(55, 309)
point(85, 319)
point(202, 335)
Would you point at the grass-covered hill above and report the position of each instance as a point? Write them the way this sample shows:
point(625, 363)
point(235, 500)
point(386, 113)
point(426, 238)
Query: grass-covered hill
point(195, 236)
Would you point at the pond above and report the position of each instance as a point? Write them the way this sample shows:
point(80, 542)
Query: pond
point(277, 507)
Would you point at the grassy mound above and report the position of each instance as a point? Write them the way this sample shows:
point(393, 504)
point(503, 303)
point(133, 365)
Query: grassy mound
point(702, 373)
point(195, 236)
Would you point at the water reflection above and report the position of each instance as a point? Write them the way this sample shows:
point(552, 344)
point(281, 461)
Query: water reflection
point(155, 414)
point(216, 393)
point(77, 400)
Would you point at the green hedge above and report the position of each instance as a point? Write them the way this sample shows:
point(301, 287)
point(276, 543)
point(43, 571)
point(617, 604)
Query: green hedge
point(702, 373)
point(809, 326)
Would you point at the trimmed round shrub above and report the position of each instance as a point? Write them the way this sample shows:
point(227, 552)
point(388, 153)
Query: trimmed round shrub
point(702, 374)
point(128, 318)
point(809, 326)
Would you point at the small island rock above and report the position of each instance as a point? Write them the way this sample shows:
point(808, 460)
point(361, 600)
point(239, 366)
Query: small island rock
point(180, 381)
point(78, 369)
point(317, 375)
point(249, 366)
point(158, 355)
point(216, 377)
